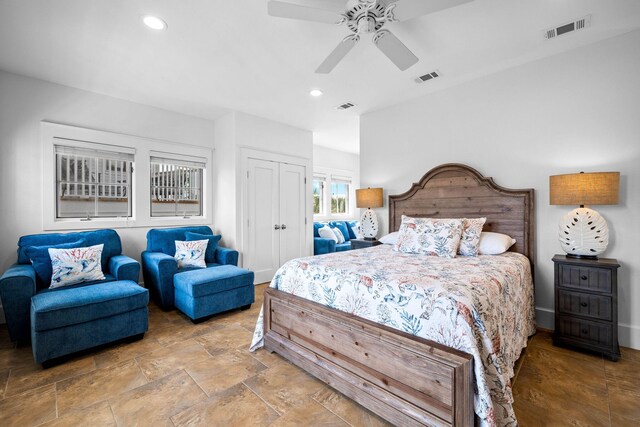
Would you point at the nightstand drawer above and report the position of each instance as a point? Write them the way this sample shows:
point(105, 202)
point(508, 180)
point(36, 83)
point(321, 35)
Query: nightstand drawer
point(584, 304)
point(595, 333)
point(594, 279)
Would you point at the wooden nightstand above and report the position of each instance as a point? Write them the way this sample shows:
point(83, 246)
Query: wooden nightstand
point(586, 304)
point(362, 243)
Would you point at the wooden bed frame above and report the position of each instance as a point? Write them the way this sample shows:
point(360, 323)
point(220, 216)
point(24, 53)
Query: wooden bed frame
point(405, 379)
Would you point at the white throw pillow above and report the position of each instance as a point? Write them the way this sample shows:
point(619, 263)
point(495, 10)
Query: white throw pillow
point(430, 236)
point(338, 234)
point(471, 229)
point(191, 253)
point(327, 233)
point(389, 239)
point(494, 243)
point(75, 265)
point(357, 230)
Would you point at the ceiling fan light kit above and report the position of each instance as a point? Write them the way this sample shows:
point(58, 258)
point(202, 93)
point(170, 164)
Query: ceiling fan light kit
point(365, 17)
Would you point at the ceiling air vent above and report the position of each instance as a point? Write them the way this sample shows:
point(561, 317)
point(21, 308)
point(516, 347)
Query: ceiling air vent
point(428, 76)
point(580, 24)
point(345, 106)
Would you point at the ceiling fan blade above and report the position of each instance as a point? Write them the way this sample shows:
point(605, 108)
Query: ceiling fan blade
point(338, 53)
point(394, 49)
point(297, 11)
point(408, 9)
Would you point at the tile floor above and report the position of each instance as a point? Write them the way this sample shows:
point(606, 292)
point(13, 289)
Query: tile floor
point(186, 374)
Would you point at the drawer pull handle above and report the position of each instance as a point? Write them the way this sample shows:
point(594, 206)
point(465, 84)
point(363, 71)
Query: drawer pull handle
point(584, 304)
point(583, 277)
point(584, 331)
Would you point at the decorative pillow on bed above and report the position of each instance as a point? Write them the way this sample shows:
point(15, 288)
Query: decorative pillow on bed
point(494, 243)
point(431, 236)
point(191, 253)
point(75, 265)
point(338, 234)
point(470, 240)
point(327, 233)
point(389, 239)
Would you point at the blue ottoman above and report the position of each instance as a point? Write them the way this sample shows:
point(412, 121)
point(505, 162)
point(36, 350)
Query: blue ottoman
point(67, 320)
point(204, 292)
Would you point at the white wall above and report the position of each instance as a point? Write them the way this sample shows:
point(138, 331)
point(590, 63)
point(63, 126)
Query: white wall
point(24, 102)
point(578, 111)
point(236, 134)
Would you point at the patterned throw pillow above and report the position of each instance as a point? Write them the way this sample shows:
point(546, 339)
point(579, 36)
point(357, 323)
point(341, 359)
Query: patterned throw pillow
point(191, 253)
point(471, 229)
point(357, 231)
point(75, 265)
point(429, 236)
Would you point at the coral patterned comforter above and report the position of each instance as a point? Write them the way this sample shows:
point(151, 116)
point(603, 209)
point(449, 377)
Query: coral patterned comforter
point(482, 305)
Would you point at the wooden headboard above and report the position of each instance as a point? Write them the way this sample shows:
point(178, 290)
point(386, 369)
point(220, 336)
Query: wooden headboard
point(457, 191)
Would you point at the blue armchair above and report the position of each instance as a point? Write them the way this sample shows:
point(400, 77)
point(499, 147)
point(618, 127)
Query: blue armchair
point(70, 318)
point(322, 245)
point(159, 265)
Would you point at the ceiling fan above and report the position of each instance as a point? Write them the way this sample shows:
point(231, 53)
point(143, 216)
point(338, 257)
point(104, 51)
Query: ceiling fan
point(362, 17)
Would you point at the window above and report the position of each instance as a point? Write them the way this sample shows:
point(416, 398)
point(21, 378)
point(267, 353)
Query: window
point(318, 195)
point(339, 196)
point(176, 187)
point(91, 183)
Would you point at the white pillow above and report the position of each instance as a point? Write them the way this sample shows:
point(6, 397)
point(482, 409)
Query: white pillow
point(327, 233)
point(494, 243)
point(191, 253)
point(357, 230)
point(75, 265)
point(389, 239)
point(338, 234)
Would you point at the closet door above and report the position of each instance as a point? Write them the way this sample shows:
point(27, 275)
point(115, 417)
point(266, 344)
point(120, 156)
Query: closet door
point(263, 254)
point(292, 212)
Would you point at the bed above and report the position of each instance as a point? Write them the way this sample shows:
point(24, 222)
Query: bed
point(407, 366)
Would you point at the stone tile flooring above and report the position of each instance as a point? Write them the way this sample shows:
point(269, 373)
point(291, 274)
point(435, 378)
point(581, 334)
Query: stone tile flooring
point(186, 374)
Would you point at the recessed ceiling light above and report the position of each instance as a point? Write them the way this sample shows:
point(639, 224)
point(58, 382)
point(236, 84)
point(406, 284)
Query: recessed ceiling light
point(154, 22)
point(315, 92)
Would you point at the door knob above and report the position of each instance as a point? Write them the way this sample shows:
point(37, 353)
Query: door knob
point(284, 226)
point(276, 227)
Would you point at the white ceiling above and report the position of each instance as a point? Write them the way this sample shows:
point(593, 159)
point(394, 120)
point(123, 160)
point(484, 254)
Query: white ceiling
point(218, 56)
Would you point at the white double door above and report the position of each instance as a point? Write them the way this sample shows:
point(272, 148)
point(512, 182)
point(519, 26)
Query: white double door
point(276, 209)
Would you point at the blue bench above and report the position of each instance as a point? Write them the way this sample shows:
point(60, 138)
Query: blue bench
point(70, 319)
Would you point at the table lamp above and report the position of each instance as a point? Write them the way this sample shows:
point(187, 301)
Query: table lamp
point(369, 198)
point(583, 232)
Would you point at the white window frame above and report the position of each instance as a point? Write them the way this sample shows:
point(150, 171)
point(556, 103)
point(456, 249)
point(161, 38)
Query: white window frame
point(323, 194)
point(58, 134)
point(338, 175)
point(177, 160)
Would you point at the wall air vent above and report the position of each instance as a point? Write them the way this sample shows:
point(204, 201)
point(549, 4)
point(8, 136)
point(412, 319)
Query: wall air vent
point(345, 106)
point(579, 24)
point(428, 76)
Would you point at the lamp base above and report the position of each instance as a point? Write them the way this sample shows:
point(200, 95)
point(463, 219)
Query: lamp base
point(583, 233)
point(593, 257)
point(369, 224)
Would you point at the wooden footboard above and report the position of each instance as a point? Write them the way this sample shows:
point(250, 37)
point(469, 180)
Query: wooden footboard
point(406, 380)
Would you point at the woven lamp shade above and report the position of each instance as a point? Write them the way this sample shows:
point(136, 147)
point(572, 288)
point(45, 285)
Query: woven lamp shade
point(369, 198)
point(599, 188)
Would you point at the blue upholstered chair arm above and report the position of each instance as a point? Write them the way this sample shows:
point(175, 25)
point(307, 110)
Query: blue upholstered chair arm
point(323, 246)
point(124, 268)
point(17, 286)
point(226, 256)
point(158, 270)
